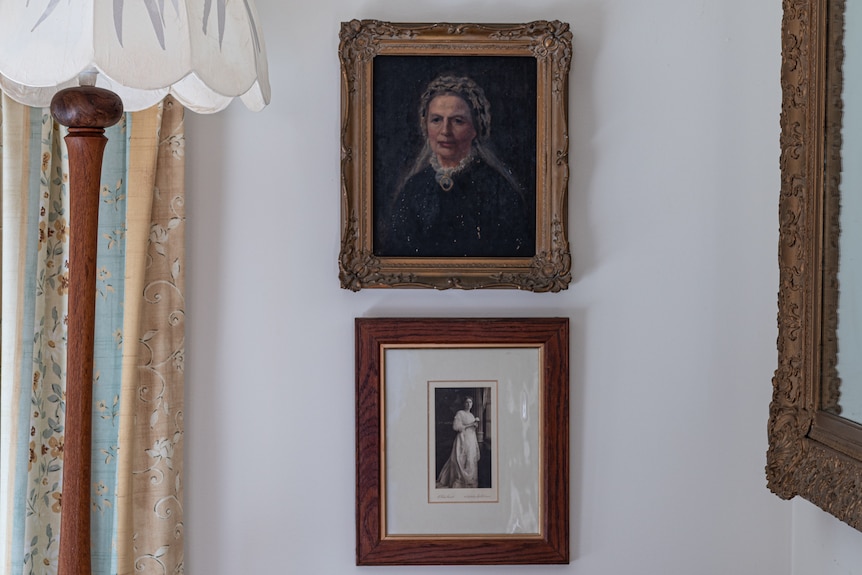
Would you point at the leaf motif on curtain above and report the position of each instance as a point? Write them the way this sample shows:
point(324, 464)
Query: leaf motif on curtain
point(43, 490)
point(159, 402)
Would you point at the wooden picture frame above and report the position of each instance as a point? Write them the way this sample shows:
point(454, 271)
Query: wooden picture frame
point(515, 371)
point(504, 222)
point(814, 452)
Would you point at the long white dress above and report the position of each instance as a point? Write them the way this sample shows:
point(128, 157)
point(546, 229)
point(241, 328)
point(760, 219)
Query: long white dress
point(462, 468)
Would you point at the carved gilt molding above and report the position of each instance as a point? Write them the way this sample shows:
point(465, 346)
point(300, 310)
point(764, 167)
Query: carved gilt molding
point(550, 44)
point(812, 452)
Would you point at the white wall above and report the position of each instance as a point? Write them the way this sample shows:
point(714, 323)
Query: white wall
point(674, 131)
point(822, 545)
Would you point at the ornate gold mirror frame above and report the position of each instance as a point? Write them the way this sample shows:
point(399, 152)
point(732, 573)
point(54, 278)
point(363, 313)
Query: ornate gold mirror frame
point(813, 452)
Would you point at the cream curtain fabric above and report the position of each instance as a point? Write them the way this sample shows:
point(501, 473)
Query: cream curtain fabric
point(137, 480)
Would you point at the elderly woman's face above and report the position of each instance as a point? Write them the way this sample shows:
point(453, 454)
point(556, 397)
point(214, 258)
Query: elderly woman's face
point(450, 129)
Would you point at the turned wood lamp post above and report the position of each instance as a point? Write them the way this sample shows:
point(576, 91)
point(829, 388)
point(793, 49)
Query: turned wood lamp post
point(91, 59)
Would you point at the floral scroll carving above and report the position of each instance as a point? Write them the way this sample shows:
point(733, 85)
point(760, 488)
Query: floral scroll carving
point(812, 452)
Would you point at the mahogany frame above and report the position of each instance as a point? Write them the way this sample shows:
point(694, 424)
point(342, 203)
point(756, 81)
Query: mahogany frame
point(551, 545)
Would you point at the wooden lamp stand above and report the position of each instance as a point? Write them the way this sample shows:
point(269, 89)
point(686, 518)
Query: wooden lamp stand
point(86, 111)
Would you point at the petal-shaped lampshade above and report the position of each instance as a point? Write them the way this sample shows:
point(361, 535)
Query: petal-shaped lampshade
point(203, 52)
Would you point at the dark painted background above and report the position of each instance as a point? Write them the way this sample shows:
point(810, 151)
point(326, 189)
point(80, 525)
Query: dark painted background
point(510, 86)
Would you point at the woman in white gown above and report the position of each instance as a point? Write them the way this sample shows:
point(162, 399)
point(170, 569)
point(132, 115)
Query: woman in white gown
point(462, 468)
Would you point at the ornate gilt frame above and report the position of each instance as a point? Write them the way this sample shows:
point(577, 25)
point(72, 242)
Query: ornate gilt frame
point(550, 43)
point(813, 452)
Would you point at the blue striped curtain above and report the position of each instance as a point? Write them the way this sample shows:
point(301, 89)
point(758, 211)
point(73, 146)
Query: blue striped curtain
point(132, 465)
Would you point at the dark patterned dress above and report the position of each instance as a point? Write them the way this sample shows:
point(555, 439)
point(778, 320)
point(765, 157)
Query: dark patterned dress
point(480, 215)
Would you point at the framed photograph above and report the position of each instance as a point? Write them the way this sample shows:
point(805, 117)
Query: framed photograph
point(462, 441)
point(454, 156)
point(461, 470)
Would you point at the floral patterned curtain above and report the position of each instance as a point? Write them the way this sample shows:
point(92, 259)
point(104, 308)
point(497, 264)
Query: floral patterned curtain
point(137, 454)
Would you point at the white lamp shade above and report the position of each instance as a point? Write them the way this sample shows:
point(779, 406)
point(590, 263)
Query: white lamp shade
point(203, 52)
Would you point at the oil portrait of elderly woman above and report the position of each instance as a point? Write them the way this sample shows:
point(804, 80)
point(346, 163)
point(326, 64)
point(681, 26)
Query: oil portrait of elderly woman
point(454, 157)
